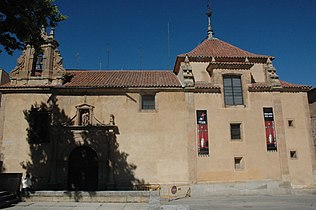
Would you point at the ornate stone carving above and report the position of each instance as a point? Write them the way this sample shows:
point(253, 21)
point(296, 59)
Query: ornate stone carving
point(52, 70)
point(58, 64)
point(112, 122)
point(85, 118)
point(187, 73)
point(19, 65)
point(272, 77)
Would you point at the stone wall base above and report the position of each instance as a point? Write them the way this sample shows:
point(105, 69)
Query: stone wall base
point(241, 188)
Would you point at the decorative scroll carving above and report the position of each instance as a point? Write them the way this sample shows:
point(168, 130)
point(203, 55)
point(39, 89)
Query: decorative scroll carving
point(40, 70)
point(19, 65)
point(58, 64)
point(272, 77)
point(187, 73)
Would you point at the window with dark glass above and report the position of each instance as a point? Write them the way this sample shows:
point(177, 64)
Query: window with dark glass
point(148, 102)
point(233, 90)
point(39, 126)
point(235, 131)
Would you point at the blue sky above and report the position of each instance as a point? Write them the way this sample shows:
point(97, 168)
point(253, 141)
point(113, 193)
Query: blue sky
point(133, 34)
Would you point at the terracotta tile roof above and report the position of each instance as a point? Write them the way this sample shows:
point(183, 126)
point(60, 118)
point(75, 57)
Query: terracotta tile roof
point(204, 85)
point(123, 79)
point(219, 48)
point(285, 87)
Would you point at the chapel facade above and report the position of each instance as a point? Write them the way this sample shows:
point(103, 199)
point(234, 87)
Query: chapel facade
point(221, 116)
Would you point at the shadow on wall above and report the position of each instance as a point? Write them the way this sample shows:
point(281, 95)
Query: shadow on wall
point(64, 156)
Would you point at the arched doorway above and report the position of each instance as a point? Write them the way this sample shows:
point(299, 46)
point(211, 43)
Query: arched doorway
point(83, 169)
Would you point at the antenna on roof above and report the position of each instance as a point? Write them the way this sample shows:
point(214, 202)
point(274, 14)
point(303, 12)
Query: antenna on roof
point(108, 56)
point(77, 60)
point(168, 46)
point(141, 58)
point(210, 33)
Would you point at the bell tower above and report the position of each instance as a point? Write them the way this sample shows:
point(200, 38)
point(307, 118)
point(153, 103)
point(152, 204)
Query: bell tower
point(40, 67)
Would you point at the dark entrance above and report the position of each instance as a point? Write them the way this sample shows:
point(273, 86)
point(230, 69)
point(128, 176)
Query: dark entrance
point(83, 169)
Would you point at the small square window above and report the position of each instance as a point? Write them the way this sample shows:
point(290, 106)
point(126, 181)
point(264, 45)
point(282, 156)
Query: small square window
point(293, 154)
point(235, 133)
point(290, 123)
point(238, 162)
point(148, 102)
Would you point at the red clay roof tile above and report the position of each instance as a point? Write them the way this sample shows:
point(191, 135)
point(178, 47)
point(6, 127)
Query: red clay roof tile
point(285, 87)
point(219, 48)
point(122, 79)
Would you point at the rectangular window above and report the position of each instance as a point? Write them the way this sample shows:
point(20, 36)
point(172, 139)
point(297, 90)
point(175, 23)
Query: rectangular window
point(235, 133)
point(202, 132)
point(148, 102)
point(238, 163)
point(269, 128)
point(233, 90)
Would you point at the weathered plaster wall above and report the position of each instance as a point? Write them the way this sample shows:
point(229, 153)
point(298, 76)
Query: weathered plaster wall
point(154, 141)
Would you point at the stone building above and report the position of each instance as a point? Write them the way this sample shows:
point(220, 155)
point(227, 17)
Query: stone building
point(221, 116)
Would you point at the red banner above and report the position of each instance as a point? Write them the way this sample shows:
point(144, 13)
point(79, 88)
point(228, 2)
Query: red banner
point(202, 129)
point(269, 128)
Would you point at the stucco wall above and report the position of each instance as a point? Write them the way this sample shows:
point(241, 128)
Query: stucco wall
point(153, 141)
point(258, 162)
point(161, 145)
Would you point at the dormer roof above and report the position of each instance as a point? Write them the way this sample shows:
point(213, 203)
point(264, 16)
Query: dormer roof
point(220, 50)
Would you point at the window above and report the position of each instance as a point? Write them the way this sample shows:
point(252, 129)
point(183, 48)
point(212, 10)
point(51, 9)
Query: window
point(293, 154)
point(38, 64)
point(238, 163)
point(39, 122)
point(290, 123)
point(235, 133)
point(233, 90)
point(148, 102)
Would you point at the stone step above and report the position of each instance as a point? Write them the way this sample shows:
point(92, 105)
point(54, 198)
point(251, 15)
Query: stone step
point(3, 193)
point(7, 199)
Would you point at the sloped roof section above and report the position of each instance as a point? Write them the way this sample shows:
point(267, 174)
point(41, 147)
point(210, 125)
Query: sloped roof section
point(218, 48)
point(123, 79)
point(285, 87)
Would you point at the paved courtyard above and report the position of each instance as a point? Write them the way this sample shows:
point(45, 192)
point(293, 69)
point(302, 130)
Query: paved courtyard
point(233, 202)
point(248, 202)
point(79, 206)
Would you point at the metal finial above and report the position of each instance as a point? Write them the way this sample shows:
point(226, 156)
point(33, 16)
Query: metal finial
point(210, 32)
point(208, 10)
